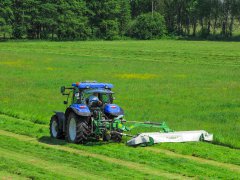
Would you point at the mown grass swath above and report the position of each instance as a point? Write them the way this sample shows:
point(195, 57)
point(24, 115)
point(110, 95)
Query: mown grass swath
point(220, 153)
point(156, 162)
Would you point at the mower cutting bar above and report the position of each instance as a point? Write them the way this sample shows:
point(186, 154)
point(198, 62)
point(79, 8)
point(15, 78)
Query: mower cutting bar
point(180, 136)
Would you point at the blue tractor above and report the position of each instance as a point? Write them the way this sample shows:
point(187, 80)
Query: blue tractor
point(90, 115)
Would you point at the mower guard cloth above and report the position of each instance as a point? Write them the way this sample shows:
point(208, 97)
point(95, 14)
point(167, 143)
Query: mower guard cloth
point(179, 136)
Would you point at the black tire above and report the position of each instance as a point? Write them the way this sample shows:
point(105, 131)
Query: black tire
point(82, 131)
point(54, 127)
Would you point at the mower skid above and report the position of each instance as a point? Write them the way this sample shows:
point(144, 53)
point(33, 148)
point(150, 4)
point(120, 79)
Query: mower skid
point(180, 136)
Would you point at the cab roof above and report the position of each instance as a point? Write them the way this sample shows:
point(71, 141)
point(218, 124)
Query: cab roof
point(98, 90)
point(92, 85)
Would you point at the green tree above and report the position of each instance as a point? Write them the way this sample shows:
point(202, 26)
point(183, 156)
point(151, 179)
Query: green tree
point(104, 18)
point(124, 17)
point(139, 7)
point(234, 14)
point(48, 19)
point(147, 26)
point(72, 22)
point(6, 18)
point(19, 26)
point(170, 15)
point(31, 18)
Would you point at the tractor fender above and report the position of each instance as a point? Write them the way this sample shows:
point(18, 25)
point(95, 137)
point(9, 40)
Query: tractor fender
point(79, 109)
point(113, 109)
point(61, 118)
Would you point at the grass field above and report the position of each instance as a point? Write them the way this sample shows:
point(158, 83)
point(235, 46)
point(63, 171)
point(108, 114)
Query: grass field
point(188, 84)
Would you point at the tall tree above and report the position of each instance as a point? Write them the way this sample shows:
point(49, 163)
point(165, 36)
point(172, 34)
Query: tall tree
point(104, 20)
point(6, 17)
point(124, 16)
point(170, 15)
point(72, 22)
point(19, 28)
point(48, 19)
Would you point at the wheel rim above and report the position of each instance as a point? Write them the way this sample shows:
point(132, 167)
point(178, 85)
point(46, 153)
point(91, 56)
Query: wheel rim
point(54, 128)
point(72, 129)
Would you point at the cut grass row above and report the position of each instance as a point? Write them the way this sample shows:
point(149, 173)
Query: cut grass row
point(196, 168)
point(157, 161)
point(200, 149)
point(63, 162)
point(7, 175)
point(81, 159)
point(31, 167)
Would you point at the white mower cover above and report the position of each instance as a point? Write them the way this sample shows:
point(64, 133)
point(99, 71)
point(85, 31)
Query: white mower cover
point(179, 136)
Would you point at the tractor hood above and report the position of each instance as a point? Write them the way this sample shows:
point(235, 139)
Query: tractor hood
point(113, 109)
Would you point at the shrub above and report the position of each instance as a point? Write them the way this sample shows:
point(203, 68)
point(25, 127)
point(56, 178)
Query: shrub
point(109, 29)
point(147, 26)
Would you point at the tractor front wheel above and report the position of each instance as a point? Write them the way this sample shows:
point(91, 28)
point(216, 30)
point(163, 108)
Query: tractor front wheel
point(55, 130)
point(77, 129)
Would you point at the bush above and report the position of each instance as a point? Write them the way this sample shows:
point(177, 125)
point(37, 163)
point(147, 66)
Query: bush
point(147, 26)
point(109, 29)
point(19, 31)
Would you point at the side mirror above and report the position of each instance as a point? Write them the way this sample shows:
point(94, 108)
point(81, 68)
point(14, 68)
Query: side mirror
point(62, 89)
point(65, 102)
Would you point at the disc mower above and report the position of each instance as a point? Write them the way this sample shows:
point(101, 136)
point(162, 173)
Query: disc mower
point(91, 115)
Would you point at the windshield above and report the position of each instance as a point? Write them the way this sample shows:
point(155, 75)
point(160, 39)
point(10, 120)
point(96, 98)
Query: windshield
point(105, 96)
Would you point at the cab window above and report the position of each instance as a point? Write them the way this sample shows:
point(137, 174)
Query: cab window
point(106, 98)
point(76, 97)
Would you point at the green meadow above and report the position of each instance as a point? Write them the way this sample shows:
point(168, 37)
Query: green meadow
point(191, 85)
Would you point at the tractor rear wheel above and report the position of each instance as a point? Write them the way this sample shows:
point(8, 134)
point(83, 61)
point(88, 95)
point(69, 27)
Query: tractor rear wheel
point(55, 130)
point(77, 129)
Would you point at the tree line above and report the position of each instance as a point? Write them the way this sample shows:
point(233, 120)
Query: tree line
point(115, 19)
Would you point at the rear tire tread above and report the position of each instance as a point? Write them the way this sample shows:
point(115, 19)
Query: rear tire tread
point(82, 129)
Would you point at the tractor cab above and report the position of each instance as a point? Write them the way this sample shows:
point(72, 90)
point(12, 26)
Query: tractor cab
point(90, 114)
point(93, 96)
